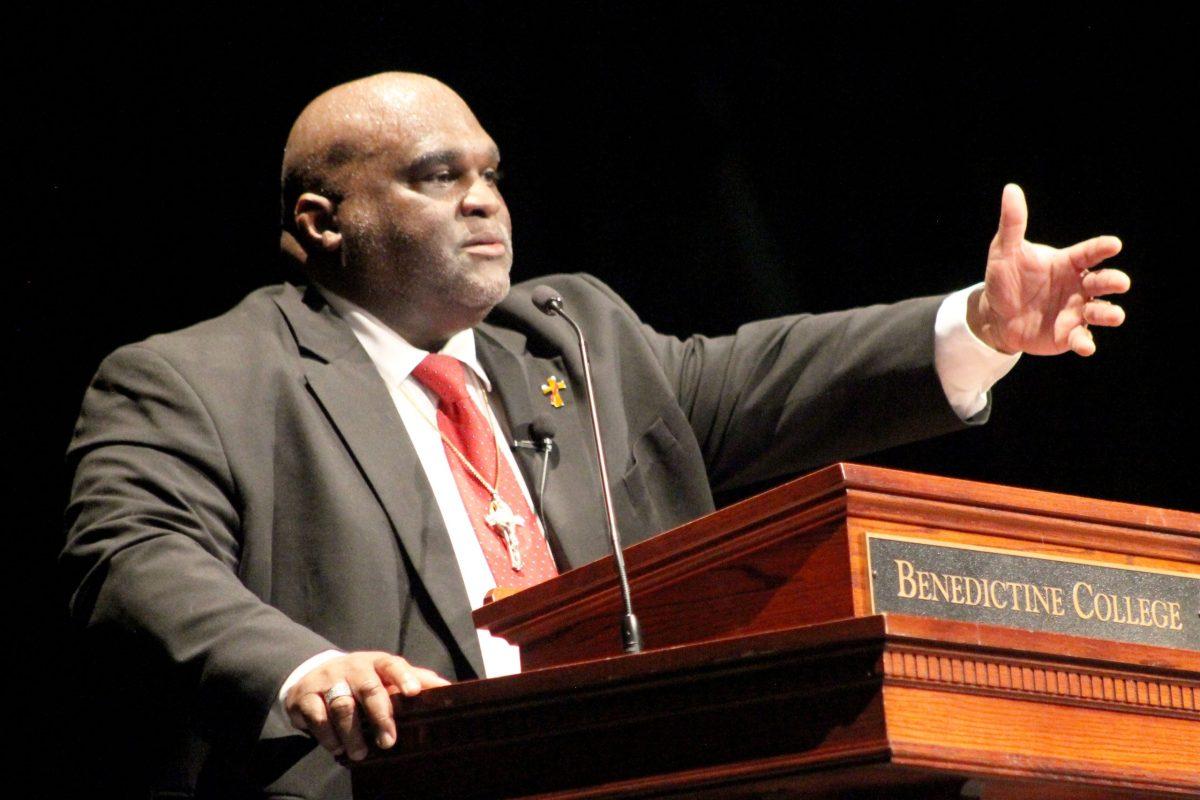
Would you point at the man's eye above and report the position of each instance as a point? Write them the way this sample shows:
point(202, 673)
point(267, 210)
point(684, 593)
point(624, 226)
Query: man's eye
point(444, 177)
point(493, 175)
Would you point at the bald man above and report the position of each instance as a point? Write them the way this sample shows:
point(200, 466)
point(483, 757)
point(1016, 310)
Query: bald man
point(270, 517)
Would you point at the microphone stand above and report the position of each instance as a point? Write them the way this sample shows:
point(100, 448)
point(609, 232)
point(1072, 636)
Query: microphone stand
point(550, 302)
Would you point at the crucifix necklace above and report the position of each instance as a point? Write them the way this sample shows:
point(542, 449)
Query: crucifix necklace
point(500, 517)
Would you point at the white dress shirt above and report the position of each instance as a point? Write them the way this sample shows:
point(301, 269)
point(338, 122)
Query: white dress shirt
point(966, 367)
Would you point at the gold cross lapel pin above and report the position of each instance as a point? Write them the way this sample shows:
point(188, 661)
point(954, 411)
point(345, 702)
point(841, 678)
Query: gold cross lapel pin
point(551, 387)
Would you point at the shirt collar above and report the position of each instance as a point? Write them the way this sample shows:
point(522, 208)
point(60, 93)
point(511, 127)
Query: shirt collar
point(393, 356)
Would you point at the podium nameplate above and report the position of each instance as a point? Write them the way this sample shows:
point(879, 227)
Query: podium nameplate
point(1034, 592)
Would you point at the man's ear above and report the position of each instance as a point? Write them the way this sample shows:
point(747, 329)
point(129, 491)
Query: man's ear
point(316, 224)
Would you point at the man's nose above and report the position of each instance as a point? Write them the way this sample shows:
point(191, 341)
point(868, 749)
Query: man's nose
point(482, 198)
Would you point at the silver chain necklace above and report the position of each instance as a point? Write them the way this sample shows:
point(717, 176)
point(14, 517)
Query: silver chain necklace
point(500, 517)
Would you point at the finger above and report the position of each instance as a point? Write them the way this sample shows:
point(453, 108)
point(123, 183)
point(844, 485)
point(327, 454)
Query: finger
point(399, 673)
point(1090, 252)
point(409, 679)
point(314, 718)
point(376, 704)
point(1080, 340)
point(430, 679)
point(1102, 312)
point(298, 714)
point(1014, 214)
point(344, 717)
point(403, 675)
point(1105, 281)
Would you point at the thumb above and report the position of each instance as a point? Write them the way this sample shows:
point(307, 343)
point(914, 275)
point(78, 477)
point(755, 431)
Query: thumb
point(1013, 216)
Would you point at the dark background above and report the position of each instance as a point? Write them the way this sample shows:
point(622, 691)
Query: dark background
point(714, 164)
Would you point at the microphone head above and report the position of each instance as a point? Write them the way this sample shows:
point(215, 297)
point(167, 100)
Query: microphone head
point(541, 428)
point(547, 300)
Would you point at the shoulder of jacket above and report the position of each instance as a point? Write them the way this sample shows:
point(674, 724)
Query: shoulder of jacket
point(580, 290)
point(255, 325)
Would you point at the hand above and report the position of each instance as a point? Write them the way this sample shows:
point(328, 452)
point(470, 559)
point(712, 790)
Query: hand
point(1038, 299)
point(373, 678)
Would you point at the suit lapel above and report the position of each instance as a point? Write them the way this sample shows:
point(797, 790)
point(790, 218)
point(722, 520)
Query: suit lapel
point(572, 508)
point(345, 382)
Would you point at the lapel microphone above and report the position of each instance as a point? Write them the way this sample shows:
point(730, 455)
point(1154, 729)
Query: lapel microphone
point(550, 302)
point(541, 433)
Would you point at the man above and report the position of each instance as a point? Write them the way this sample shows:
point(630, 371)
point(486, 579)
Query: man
point(272, 505)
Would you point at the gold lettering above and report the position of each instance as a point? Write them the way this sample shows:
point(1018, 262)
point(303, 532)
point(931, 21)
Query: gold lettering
point(978, 597)
point(956, 589)
point(992, 586)
point(939, 586)
point(904, 573)
point(1128, 610)
point(1075, 599)
point(1159, 623)
point(1087, 601)
point(1056, 601)
point(923, 586)
point(1116, 607)
point(1143, 609)
point(1040, 597)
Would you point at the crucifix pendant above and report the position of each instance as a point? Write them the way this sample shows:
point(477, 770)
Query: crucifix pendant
point(500, 516)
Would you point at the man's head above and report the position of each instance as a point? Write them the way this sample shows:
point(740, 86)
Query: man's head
point(389, 191)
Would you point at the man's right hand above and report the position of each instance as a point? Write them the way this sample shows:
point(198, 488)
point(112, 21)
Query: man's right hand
point(373, 677)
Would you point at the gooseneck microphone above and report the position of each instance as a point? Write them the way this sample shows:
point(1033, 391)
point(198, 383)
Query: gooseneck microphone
point(550, 302)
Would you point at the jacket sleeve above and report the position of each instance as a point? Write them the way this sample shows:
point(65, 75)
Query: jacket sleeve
point(798, 392)
point(153, 545)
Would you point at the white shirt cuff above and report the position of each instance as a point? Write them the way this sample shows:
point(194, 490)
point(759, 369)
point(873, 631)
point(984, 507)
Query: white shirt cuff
point(278, 723)
point(966, 366)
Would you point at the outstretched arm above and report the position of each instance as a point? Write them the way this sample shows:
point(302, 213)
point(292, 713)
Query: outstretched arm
point(1039, 299)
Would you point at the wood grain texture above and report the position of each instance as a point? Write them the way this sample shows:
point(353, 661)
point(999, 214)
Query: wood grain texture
point(1114, 688)
point(724, 713)
point(873, 706)
point(1007, 737)
point(796, 555)
point(1030, 525)
point(749, 689)
point(857, 478)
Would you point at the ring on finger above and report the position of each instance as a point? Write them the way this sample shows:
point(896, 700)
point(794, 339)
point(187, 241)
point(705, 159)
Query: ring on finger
point(339, 689)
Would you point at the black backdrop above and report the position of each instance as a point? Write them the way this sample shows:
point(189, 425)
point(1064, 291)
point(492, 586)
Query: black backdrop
point(713, 163)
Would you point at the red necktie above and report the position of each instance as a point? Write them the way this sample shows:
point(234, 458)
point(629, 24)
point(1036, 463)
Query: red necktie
point(463, 425)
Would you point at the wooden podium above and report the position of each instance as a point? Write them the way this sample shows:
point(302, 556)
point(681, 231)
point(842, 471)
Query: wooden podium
point(858, 632)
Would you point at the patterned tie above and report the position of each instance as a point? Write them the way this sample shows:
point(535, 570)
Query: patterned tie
point(463, 425)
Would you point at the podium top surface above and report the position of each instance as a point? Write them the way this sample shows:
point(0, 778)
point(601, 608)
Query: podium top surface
point(856, 491)
point(845, 478)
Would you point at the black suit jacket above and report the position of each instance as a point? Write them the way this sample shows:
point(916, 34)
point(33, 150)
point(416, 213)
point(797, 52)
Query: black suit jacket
point(245, 495)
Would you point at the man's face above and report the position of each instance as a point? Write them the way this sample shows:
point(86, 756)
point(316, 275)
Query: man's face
point(423, 220)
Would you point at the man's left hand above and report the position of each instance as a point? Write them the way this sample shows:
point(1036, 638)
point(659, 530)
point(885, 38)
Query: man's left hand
point(1039, 299)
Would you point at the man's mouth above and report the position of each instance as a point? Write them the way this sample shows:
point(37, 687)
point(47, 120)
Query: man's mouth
point(488, 245)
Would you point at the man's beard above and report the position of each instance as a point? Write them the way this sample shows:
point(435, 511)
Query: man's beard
point(401, 270)
point(478, 286)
